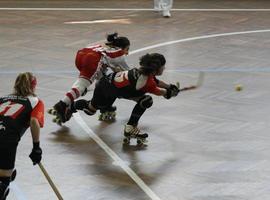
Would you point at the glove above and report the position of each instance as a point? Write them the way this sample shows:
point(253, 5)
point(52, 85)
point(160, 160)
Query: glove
point(36, 153)
point(172, 91)
point(168, 94)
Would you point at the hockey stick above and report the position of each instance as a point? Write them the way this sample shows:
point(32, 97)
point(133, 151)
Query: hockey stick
point(57, 193)
point(192, 87)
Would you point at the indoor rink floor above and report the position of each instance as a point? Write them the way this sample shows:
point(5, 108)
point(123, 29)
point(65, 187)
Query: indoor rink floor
point(211, 143)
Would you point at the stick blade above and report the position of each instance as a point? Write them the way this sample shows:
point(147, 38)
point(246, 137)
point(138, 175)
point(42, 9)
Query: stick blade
point(178, 85)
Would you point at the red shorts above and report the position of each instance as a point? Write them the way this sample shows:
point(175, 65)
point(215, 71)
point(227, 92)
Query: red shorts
point(87, 61)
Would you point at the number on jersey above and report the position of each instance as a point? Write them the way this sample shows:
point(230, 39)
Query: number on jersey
point(11, 109)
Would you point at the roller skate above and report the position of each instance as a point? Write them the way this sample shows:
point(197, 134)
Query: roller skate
point(133, 132)
point(83, 105)
point(108, 114)
point(61, 113)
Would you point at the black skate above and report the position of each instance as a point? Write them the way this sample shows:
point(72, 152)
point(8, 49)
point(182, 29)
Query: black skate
point(134, 133)
point(61, 113)
point(108, 114)
point(83, 105)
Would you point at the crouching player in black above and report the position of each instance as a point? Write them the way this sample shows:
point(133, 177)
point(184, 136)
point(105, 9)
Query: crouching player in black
point(133, 85)
point(18, 111)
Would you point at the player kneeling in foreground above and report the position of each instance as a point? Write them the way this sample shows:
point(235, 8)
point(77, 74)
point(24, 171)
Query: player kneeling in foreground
point(18, 111)
point(133, 85)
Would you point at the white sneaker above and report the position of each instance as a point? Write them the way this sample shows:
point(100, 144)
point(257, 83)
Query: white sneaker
point(166, 13)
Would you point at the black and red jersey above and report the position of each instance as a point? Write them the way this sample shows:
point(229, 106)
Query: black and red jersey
point(132, 83)
point(15, 115)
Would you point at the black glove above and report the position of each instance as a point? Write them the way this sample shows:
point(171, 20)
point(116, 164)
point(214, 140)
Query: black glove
point(172, 91)
point(36, 153)
point(168, 94)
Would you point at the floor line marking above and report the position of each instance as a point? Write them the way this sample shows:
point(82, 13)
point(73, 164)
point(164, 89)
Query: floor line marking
point(115, 157)
point(198, 38)
point(106, 148)
point(139, 9)
point(180, 41)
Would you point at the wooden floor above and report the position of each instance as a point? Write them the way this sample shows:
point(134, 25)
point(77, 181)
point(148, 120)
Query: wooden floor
point(208, 144)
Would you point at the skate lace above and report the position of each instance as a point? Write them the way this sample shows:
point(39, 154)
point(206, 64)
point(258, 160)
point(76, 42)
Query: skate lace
point(135, 131)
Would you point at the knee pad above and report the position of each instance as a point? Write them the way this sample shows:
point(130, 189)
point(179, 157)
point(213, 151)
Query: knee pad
point(146, 102)
point(81, 86)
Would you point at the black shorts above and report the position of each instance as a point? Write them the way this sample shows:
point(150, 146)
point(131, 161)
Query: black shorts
point(7, 155)
point(104, 94)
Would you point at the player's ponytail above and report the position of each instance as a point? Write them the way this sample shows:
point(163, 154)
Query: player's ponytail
point(151, 63)
point(113, 40)
point(25, 84)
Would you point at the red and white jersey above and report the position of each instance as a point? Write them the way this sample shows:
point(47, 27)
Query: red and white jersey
point(113, 57)
point(15, 115)
point(92, 60)
point(132, 83)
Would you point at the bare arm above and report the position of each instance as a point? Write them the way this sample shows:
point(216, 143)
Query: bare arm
point(163, 87)
point(36, 153)
point(35, 129)
point(170, 89)
point(162, 84)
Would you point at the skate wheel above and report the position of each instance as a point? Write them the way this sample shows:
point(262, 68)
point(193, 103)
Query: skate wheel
point(103, 117)
point(139, 142)
point(52, 111)
point(111, 119)
point(126, 141)
point(57, 121)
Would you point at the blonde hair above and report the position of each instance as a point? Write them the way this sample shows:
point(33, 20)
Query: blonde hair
point(23, 85)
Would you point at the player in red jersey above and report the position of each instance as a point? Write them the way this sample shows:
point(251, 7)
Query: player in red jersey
point(18, 112)
point(133, 85)
point(92, 62)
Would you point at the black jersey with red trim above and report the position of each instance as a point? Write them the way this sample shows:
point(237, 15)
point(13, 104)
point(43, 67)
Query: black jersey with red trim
point(15, 115)
point(132, 83)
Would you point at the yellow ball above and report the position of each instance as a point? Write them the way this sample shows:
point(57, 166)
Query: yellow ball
point(238, 87)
